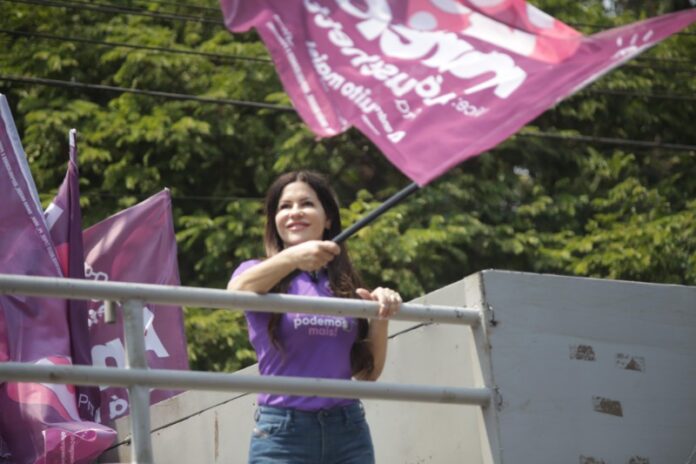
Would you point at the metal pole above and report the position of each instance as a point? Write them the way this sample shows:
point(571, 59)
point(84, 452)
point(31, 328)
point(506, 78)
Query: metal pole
point(215, 381)
point(374, 214)
point(209, 298)
point(109, 312)
point(138, 395)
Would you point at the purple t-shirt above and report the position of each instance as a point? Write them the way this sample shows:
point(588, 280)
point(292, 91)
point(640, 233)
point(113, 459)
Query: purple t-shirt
point(313, 345)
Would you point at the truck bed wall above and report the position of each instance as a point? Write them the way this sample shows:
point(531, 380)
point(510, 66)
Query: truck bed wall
point(587, 371)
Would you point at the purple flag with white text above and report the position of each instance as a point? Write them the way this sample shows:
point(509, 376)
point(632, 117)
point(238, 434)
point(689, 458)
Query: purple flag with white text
point(135, 245)
point(433, 82)
point(39, 422)
point(64, 220)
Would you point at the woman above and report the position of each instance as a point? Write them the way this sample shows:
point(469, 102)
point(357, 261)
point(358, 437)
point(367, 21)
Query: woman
point(302, 215)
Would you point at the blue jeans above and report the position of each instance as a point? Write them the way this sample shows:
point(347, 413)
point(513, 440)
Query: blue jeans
point(335, 436)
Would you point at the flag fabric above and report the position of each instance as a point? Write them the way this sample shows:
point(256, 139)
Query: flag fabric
point(64, 220)
point(135, 245)
point(39, 422)
point(14, 147)
point(433, 82)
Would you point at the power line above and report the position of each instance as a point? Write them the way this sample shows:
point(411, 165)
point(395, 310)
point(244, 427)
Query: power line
point(109, 8)
point(131, 9)
point(666, 60)
point(152, 93)
point(196, 19)
point(653, 96)
point(175, 96)
point(141, 196)
point(214, 56)
point(112, 9)
point(182, 5)
point(600, 28)
point(657, 68)
point(523, 133)
point(179, 96)
point(221, 56)
point(609, 140)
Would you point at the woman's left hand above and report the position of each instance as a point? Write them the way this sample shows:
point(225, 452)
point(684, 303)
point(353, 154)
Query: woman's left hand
point(389, 300)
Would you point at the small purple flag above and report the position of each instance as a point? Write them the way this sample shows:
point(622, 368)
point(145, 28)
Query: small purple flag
point(433, 82)
point(64, 220)
point(39, 423)
point(135, 245)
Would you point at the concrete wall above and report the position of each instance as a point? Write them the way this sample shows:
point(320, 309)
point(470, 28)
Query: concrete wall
point(587, 371)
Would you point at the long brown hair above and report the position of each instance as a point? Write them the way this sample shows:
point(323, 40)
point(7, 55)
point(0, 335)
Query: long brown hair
point(343, 279)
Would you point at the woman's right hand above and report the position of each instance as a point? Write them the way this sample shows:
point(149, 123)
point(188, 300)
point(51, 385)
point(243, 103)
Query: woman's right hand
point(313, 255)
point(307, 256)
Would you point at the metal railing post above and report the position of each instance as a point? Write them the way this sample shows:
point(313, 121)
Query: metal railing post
point(109, 312)
point(138, 396)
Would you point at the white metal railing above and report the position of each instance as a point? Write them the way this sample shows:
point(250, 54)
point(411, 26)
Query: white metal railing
point(138, 378)
point(210, 298)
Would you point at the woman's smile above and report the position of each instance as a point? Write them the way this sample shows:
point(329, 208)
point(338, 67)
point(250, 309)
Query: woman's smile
point(295, 226)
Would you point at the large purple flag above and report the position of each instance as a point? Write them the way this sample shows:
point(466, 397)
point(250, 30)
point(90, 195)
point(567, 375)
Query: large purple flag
point(39, 423)
point(64, 220)
point(135, 245)
point(433, 82)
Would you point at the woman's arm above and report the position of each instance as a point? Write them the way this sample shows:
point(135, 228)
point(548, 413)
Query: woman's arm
point(390, 302)
point(307, 256)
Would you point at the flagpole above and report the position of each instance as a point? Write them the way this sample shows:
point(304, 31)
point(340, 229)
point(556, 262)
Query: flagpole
point(391, 202)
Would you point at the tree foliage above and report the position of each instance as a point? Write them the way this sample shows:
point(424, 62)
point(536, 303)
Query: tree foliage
point(564, 205)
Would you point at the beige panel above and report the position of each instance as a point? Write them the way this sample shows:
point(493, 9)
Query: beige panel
point(425, 432)
point(438, 355)
point(196, 426)
point(603, 370)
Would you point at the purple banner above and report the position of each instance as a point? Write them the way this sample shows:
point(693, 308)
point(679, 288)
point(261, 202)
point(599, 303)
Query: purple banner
point(135, 245)
point(39, 423)
point(433, 82)
point(64, 220)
